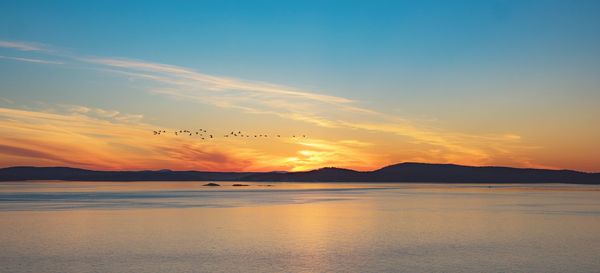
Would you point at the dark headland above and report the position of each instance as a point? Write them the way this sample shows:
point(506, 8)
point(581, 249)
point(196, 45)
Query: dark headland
point(403, 172)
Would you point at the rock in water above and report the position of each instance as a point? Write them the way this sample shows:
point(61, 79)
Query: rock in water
point(211, 185)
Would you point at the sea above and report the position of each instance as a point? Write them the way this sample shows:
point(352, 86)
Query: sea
point(150, 227)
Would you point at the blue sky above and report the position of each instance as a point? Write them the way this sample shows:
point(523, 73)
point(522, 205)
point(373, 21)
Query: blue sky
point(324, 44)
point(466, 67)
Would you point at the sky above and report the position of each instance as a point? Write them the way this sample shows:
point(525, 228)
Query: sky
point(370, 83)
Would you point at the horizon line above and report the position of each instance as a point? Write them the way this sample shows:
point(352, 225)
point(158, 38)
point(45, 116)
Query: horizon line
point(328, 167)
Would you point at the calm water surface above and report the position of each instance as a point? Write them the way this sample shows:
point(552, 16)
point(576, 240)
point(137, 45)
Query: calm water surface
point(297, 227)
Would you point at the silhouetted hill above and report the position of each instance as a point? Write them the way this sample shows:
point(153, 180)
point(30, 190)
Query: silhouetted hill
point(403, 172)
point(438, 173)
point(74, 174)
point(421, 172)
point(319, 175)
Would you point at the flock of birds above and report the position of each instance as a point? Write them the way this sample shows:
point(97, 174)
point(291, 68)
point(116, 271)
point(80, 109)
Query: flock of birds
point(203, 134)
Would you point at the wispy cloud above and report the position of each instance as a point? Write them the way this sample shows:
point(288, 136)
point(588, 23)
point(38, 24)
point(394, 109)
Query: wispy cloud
point(215, 83)
point(99, 113)
point(76, 136)
point(22, 46)
point(308, 106)
point(299, 105)
point(96, 138)
point(30, 60)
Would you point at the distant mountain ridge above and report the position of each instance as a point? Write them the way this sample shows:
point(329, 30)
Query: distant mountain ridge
point(74, 174)
point(402, 172)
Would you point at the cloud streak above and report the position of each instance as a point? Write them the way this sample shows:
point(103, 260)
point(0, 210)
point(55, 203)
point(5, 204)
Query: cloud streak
point(214, 83)
point(289, 103)
point(79, 137)
point(95, 138)
point(30, 60)
point(22, 46)
point(320, 110)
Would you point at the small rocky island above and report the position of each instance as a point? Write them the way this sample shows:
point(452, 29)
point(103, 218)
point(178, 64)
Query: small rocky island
point(240, 185)
point(211, 185)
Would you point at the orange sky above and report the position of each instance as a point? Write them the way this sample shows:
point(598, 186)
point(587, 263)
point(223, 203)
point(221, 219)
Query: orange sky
point(107, 140)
